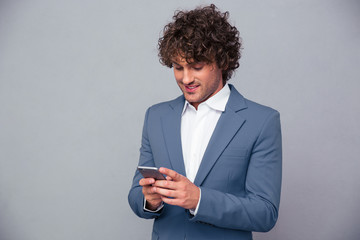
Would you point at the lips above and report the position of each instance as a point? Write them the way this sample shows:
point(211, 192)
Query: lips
point(191, 88)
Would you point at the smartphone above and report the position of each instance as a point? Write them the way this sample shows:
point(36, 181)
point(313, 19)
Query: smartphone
point(151, 172)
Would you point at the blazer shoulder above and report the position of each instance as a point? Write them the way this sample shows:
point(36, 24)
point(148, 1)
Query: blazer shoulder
point(259, 108)
point(238, 102)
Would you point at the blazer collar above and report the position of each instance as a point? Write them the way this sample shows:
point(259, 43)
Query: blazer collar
point(236, 100)
point(227, 127)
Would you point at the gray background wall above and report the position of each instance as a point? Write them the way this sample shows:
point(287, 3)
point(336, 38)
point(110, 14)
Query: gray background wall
point(77, 76)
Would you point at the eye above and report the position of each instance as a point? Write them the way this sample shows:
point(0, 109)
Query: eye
point(177, 67)
point(198, 68)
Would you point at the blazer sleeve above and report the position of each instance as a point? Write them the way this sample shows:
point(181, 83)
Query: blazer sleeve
point(257, 210)
point(136, 197)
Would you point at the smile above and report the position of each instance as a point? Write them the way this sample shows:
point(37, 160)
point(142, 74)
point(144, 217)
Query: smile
point(191, 88)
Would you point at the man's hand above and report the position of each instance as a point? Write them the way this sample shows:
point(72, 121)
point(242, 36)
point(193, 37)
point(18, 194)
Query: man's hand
point(177, 190)
point(153, 200)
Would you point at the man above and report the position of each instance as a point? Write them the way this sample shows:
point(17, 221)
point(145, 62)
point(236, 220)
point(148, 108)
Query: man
point(220, 152)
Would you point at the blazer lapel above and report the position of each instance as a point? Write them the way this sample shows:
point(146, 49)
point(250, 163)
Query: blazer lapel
point(172, 133)
point(228, 125)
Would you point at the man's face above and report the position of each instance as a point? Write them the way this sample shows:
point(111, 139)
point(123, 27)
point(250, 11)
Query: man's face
point(197, 81)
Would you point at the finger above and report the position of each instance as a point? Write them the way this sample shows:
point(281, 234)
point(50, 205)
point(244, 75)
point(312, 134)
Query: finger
point(171, 173)
point(170, 201)
point(169, 178)
point(146, 181)
point(165, 184)
point(165, 192)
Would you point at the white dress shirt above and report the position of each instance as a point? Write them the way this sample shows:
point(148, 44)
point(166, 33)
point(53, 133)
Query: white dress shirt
point(197, 127)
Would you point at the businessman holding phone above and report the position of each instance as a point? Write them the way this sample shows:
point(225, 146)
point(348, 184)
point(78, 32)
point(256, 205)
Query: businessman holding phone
point(220, 152)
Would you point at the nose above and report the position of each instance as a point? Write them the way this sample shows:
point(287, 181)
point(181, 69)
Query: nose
point(187, 77)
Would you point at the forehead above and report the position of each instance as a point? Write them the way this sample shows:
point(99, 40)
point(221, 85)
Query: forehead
point(182, 60)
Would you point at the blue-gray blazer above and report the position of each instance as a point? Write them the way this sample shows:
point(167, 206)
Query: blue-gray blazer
point(239, 176)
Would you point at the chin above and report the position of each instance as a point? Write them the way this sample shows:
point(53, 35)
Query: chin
point(190, 99)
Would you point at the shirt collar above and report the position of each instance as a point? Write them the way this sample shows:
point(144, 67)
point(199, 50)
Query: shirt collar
point(217, 102)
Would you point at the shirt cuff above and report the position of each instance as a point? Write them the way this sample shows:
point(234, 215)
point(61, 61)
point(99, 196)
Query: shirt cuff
point(157, 210)
point(194, 211)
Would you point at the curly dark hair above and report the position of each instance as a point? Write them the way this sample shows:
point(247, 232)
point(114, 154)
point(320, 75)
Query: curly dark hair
point(201, 35)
